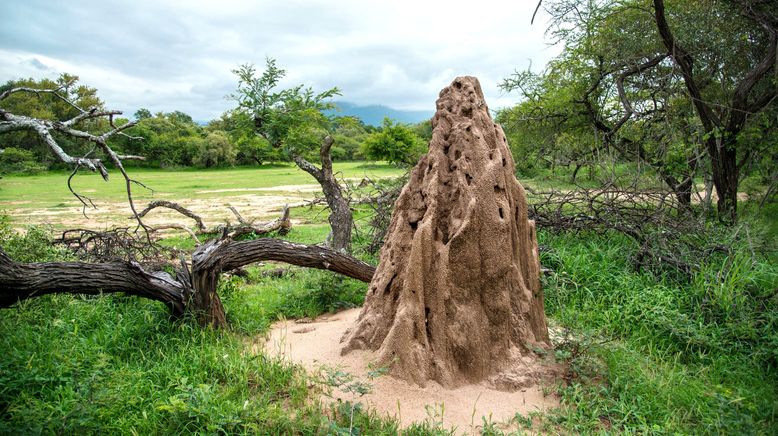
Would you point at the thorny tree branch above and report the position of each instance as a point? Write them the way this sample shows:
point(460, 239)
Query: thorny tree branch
point(646, 216)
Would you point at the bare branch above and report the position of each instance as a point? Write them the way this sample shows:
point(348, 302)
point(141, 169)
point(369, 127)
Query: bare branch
point(178, 208)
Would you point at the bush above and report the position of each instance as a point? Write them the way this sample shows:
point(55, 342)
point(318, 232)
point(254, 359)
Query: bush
point(32, 246)
point(19, 161)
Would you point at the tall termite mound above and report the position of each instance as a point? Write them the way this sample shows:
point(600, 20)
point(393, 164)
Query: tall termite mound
point(456, 297)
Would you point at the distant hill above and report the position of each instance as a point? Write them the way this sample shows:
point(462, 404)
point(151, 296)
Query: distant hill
point(374, 114)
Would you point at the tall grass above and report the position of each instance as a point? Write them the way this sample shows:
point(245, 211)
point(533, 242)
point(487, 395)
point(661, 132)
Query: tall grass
point(664, 355)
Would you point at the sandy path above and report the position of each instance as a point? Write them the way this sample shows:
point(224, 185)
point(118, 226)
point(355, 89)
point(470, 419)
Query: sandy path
point(317, 344)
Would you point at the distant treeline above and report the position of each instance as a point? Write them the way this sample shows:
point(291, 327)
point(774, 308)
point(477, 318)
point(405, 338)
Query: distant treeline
point(174, 139)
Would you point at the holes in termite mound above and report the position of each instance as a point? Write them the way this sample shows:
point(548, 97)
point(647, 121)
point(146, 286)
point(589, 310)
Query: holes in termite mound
point(446, 147)
point(458, 85)
point(517, 214)
point(498, 189)
point(468, 129)
point(504, 162)
point(491, 155)
point(499, 210)
point(414, 225)
point(389, 285)
point(468, 179)
point(457, 154)
point(467, 112)
point(427, 323)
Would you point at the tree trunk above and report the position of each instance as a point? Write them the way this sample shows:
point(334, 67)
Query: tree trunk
point(193, 292)
point(19, 281)
point(726, 179)
point(683, 194)
point(575, 172)
point(341, 220)
point(217, 256)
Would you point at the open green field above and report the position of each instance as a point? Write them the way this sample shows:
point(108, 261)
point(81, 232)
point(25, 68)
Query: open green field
point(258, 192)
point(50, 189)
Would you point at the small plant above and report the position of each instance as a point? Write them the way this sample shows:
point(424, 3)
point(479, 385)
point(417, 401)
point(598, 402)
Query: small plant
point(349, 384)
point(522, 421)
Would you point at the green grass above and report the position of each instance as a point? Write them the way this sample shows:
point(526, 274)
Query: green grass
point(693, 357)
point(49, 189)
point(648, 353)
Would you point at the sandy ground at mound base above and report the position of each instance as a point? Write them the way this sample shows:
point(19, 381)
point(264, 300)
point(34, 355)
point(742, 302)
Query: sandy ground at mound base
point(315, 344)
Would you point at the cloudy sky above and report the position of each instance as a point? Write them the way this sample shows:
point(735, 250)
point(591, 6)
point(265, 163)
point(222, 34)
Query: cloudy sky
point(178, 55)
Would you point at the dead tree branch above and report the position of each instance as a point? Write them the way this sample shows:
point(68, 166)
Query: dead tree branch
point(26, 280)
point(281, 224)
point(46, 128)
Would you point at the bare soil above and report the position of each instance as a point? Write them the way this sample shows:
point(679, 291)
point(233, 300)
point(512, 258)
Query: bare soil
point(70, 213)
point(315, 344)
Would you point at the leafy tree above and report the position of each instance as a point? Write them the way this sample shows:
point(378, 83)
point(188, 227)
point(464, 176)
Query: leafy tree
point(216, 149)
point(626, 82)
point(395, 143)
point(294, 120)
point(169, 140)
point(251, 148)
point(349, 134)
point(18, 160)
point(142, 114)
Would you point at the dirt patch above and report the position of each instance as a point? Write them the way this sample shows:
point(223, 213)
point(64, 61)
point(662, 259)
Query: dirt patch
point(316, 345)
point(285, 188)
point(118, 213)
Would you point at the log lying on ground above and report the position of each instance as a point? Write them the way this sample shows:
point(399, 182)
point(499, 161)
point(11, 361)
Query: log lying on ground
point(19, 281)
point(193, 291)
point(215, 257)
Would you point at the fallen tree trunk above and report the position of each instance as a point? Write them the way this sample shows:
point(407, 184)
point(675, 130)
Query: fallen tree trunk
point(215, 257)
point(193, 292)
point(19, 281)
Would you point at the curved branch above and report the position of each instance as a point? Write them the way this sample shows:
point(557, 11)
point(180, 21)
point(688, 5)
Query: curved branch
point(178, 208)
point(226, 255)
point(19, 281)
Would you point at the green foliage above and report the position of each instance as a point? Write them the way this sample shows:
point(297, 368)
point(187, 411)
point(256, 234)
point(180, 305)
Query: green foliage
point(395, 143)
point(17, 160)
point(680, 357)
point(216, 150)
point(573, 113)
point(169, 140)
point(291, 119)
point(349, 134)
point(33, 245)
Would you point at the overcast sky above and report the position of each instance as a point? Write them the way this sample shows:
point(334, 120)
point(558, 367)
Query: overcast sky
point(178, 55)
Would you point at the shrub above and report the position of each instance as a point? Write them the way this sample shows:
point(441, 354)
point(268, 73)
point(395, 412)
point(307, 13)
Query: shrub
point(19, 161)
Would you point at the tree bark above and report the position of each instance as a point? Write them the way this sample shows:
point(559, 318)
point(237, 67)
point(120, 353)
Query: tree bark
point(217, 256)
point(193, 292)
point(19, 281)
point(341, 220)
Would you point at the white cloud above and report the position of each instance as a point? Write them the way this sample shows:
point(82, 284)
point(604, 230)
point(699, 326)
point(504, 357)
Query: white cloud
point(178, 55)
